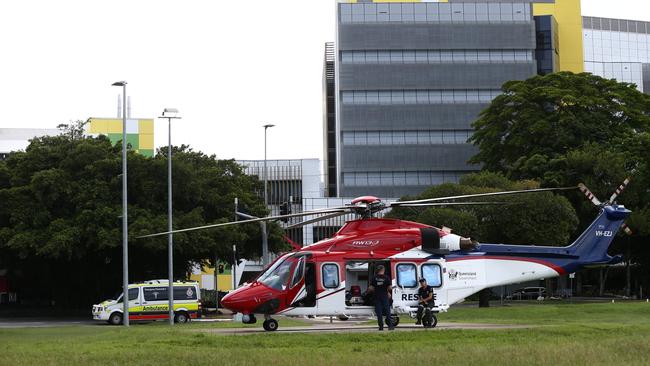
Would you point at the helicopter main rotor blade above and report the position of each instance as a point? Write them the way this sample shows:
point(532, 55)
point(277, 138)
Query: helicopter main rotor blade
point(439, 199)
point(268, 218)
point(451, 204)
point(317, 219)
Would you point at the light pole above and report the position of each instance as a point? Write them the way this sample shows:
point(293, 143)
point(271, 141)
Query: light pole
point(125, 222)
point(170, 113)
point(265, 240)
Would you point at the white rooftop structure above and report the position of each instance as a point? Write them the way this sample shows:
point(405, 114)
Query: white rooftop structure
point(14, 139)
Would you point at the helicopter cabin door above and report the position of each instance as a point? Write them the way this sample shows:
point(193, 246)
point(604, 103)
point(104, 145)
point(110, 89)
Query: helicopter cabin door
point(405, 285)
point(301, 289)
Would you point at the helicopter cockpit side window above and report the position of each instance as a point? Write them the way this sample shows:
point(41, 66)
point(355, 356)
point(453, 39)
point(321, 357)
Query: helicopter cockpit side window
point(279, 277)
point(299, 272)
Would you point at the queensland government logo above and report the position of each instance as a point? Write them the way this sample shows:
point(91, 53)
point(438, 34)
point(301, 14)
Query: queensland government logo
point(455, 275)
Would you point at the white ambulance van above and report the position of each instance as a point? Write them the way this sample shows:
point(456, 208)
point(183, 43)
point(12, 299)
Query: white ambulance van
point(149, 301)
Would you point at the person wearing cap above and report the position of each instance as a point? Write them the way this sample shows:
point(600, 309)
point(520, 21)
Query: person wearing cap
point(381, 286)
point(425, 295)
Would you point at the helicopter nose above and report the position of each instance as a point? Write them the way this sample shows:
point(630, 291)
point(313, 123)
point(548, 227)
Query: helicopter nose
point(236, 301)
point(229, 301)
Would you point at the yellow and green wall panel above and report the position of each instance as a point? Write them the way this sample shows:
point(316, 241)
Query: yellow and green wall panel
point(139, 132)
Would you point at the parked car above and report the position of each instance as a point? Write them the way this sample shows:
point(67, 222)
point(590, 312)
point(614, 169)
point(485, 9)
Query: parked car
point(527, 293)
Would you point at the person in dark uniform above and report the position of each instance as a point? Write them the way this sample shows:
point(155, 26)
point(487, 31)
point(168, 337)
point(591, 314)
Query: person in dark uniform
point(425, 294)
point(380, 285)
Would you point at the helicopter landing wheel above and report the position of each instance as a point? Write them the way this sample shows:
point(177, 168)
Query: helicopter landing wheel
point(394, 319)
point(430, 321)
point(270, 325)
point(249, 319)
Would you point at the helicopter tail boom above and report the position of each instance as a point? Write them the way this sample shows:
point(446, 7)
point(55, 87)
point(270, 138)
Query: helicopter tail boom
point(591, 246)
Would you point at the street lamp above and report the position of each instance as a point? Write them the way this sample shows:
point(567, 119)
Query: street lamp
point(125, 226)
point(170, 113)
point(265, 242)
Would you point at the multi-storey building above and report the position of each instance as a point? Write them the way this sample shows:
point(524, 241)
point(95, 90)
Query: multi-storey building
point(410, 78)
point(618, 49)
point(405, 80)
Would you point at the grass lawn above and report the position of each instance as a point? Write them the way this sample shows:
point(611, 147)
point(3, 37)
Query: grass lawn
point(579, 334)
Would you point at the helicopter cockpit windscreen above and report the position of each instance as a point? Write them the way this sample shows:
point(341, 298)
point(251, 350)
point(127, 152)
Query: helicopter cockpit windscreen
point(277, 276)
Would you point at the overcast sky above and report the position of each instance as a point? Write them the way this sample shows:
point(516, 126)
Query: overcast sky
point(228, 66)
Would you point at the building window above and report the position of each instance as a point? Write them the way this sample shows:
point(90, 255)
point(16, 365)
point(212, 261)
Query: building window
point(400, 178)
point(431, 12)
point(387, 138)
point(397, 97)
point(435, 56)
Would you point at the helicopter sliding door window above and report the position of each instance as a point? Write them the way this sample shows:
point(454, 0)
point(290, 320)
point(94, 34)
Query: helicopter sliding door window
point(330, 275)
point(298, 272)
point(431, 273)
point(407, 275)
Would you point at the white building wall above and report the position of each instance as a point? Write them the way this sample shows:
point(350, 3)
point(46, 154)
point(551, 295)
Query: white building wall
point(15, 139)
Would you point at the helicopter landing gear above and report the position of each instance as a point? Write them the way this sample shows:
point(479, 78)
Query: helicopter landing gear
point(270, 325)
point(394, 319)
point(429, 320)
point(249, 319)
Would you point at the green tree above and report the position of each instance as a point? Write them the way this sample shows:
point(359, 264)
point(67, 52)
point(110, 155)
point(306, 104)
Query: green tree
point(520, 219)
point(536, 121)
point(60, 217)
point(562, 129)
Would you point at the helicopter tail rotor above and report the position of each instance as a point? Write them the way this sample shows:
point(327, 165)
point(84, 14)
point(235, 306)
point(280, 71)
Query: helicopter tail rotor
point(619, 189)
point(592, 197)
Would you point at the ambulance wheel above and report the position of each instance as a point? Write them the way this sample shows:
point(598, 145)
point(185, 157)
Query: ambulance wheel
point(394, 319)
point(270, 325)
point(115, 318)
point(181, 317)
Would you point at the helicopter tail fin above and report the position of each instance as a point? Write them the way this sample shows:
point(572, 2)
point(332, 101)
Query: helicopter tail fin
point(591, 247)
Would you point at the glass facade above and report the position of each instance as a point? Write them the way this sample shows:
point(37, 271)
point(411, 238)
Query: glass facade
point(411, 78)
point(435, 56)
point(400, 178)
point(434, 12)
point(617, 49)
point(429, 137)
point(329, 121)
point(418, 96)
point(547, 51)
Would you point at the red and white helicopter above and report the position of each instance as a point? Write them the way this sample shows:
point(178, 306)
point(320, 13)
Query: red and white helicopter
point(328, 278)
